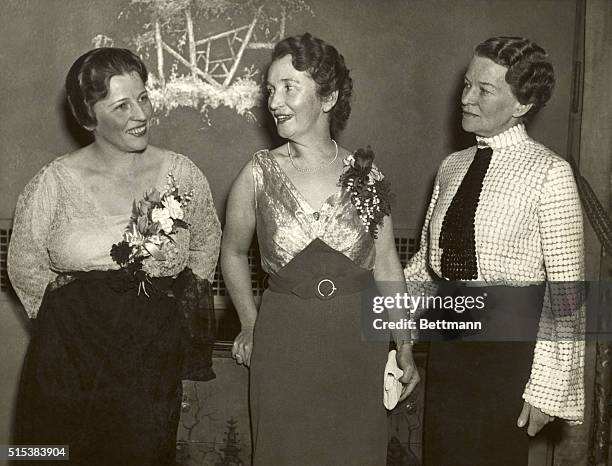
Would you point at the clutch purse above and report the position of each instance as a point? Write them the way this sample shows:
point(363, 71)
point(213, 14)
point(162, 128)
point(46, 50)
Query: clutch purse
point(392, 387)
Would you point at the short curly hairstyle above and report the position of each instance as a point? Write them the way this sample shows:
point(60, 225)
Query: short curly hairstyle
point(327, 68)
point(530, 73)
point(89, 78)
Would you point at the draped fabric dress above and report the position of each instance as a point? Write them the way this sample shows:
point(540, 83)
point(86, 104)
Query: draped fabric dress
point(103, 369)
point(316, 385)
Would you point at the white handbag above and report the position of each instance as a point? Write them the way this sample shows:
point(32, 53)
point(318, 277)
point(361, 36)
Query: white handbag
point(392, 387)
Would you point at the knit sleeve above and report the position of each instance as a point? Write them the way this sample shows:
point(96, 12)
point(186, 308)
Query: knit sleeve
point(420, 280)
point(28, 258)
point(556, 385)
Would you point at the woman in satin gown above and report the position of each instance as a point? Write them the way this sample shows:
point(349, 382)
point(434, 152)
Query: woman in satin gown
point(315, 384)
point(105, 361)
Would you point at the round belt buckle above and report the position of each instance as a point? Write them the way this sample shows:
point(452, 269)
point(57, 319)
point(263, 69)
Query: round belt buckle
point(326, 289)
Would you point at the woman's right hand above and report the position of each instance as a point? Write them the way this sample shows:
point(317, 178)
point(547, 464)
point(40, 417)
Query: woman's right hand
point(243, 345)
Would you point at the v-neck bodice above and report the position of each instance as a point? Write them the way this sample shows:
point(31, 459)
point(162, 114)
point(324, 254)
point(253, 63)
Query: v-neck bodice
point(87, 230)
point(88, 198)
point(299, 197)
point(287, 223)
point(60, 226)
point(79, 233)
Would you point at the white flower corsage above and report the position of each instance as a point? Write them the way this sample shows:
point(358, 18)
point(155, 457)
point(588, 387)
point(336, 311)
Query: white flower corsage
point(155, 220)
point(370, 192)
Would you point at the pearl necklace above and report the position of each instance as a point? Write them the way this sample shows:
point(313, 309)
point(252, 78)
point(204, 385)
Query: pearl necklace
point(315, 169)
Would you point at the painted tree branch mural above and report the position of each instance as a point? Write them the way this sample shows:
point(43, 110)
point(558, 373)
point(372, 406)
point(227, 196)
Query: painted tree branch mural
point(198, 49)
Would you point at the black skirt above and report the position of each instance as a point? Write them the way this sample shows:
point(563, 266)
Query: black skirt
point(103, 372)
point(316, 393)
point(475, 381)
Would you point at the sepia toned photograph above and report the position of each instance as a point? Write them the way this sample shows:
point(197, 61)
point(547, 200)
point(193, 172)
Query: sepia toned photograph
point(306, 232)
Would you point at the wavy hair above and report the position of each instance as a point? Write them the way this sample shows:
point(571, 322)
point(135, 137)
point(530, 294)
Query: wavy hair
point(530, 73)
point(327, 68)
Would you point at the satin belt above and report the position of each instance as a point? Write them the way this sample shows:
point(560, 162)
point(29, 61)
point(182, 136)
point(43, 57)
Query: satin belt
point(322, 286)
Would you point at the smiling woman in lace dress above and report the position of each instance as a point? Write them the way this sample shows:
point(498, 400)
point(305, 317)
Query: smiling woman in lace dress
point(103, 370)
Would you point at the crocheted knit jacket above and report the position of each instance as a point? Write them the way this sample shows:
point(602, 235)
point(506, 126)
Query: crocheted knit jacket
point(528, 228)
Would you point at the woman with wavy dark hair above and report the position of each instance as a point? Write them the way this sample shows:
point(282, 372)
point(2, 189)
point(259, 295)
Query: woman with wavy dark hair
point(107, 277)
point(316, 387)
point(505, 225)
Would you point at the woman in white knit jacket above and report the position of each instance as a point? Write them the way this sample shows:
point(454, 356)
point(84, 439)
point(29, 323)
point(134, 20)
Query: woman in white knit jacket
point(504, 214)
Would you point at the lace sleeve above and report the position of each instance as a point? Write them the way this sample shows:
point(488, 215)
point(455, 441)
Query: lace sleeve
point(556, 385)
point(28, 259)
point(204, 227)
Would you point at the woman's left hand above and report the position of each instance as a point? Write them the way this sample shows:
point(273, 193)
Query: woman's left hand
point(533, 418)
point(406, 363)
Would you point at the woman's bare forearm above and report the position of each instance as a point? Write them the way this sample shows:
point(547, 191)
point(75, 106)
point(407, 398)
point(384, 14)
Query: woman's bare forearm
point(389, 277)
point(237, 278)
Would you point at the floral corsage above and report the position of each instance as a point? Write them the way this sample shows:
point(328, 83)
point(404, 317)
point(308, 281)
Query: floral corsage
point(155, 220)
point(370, 192)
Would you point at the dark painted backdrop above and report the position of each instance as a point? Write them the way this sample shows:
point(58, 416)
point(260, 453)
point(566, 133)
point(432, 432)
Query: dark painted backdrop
point(407, 58)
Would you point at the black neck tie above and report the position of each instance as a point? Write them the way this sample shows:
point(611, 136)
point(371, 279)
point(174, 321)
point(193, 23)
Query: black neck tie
point(457, 234)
